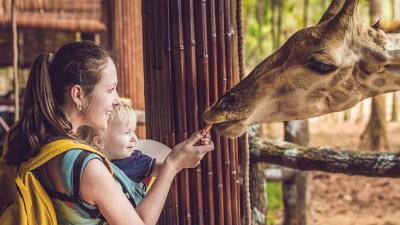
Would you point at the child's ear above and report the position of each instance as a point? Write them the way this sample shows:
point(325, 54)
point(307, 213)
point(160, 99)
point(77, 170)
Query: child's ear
point(98, 142)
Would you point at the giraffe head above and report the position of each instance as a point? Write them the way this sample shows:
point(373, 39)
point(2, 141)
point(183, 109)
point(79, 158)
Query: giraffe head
point(322, 69)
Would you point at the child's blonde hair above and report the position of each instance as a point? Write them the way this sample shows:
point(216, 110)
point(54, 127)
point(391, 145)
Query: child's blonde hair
point(122, 114)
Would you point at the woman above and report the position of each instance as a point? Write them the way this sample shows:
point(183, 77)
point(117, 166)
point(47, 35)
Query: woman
point(74, 87)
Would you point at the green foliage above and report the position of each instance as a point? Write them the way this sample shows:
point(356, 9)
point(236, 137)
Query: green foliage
point(274, 191)
point(258, 28)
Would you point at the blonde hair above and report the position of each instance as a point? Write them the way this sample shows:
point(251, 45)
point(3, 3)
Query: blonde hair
point(122, 114)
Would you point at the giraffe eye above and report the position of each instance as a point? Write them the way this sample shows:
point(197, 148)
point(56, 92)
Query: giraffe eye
point(320, 67)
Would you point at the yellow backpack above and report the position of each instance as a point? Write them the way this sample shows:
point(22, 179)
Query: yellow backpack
point(33, 205)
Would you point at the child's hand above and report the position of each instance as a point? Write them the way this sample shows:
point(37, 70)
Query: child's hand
point(188, 153)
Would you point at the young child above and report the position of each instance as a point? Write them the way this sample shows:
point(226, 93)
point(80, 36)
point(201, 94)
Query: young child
point(118, 142)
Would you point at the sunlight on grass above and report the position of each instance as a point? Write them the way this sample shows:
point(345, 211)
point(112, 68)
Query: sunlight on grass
point(274, 191)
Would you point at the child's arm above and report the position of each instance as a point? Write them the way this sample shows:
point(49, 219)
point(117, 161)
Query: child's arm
point(155, 150)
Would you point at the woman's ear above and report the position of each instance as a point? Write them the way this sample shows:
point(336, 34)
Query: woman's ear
point(98, 142)
point(77, 95)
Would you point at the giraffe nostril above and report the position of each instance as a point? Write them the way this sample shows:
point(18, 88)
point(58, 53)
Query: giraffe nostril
point(228, 100)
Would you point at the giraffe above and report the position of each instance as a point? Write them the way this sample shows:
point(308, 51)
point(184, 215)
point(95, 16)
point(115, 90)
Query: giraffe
point(325, 68)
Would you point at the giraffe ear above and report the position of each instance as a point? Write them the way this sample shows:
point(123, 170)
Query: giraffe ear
point(333, 9)
point(390, 27)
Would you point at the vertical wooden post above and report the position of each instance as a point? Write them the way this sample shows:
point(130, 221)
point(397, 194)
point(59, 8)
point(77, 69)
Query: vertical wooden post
point(258, 190)
point(126, 39)
point(15, 58)
point(295, 189)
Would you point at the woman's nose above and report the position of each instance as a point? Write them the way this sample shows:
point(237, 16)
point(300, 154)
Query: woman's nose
point(117, 101)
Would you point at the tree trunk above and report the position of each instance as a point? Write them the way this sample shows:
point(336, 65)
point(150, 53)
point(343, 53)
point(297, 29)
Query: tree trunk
point(127, 46)
point(258, 191)
point(394, 107)
point(346, 115)
point(374, 136)
point(395, 8)
point(273, 31)
point(294, 190)
point(15, 59)
point(395, 13)
point(279, 23)
point(305, 13)
point(260, 16)
point(360, 114)
point(328, 159)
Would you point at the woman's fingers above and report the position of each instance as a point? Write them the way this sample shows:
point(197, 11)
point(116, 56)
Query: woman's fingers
point(205, 141)
point(197, 136)
point(203, 149)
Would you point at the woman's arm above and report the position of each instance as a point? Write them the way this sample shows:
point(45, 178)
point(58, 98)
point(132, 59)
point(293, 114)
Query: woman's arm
point(98, 187)
point(184, 155)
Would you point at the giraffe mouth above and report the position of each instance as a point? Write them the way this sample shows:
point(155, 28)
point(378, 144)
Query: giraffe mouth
point(233, 128)
point(393, 68)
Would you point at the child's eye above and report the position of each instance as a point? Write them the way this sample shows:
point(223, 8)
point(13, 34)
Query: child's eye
point(127, 132)
point(112, 90)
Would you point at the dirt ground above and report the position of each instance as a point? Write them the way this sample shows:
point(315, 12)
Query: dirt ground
point(336, 199)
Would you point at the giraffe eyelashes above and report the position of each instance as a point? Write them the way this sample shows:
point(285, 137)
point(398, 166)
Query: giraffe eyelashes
point(320, 67)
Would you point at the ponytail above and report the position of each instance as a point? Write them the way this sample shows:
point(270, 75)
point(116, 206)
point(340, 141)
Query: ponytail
point(41, 117)
point(46, 93)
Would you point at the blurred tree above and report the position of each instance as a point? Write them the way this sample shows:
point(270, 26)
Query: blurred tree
point(395, 12)
point(295, 189)
point(374, 136)
point(305, 13)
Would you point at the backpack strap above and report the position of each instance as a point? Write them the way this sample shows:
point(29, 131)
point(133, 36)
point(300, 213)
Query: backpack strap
point(126, 192)
point(77, 168)
point(76, 195)
point(76, 176)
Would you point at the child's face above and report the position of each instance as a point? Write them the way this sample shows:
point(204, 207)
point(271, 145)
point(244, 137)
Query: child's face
point(119, 142)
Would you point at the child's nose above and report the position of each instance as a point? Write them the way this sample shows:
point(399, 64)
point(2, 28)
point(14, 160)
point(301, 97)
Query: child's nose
point(134, 138)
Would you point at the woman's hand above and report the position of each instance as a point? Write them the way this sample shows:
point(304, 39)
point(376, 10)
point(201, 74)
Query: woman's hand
point(188, 153)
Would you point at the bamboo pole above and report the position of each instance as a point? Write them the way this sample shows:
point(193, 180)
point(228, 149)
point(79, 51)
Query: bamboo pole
point(226, 73)
point(192, 105)
point(212, 38)
point(15, 58)
point(180, 103)
point(229, 30)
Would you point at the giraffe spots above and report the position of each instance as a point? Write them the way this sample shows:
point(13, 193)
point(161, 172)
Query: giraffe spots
point(337, 78)
point(301, 81)
point(289, 104)
point(339, 96)
point(373, 93)
point(283, 90)
point(314, 96)
point(379, 82)
point(365, 70)
point(348, 85)
point(397, 82)
point(269, 79)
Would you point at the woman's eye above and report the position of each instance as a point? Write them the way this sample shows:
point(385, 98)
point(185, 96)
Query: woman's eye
point(320, 67)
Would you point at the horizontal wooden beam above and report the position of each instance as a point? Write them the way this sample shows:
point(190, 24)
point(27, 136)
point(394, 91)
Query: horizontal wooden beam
point(328, 159)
